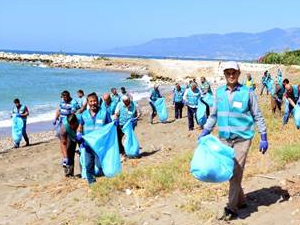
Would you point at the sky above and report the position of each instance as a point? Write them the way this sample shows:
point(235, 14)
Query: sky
point(93, 26)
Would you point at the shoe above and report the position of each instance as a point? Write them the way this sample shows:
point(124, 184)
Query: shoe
point(243, 206)
point(228, 215)
point(16, 145)
point(69, 171)
point(27, 144)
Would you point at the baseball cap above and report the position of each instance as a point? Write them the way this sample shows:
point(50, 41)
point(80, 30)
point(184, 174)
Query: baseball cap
point(231, 65)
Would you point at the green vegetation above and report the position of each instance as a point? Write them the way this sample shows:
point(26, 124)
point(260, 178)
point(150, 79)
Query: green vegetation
point(112, 219)
point(286, 58)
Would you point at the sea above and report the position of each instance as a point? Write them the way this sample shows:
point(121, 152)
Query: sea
point(39, 87)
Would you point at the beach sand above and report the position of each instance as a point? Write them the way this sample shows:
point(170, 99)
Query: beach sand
point(33, 189)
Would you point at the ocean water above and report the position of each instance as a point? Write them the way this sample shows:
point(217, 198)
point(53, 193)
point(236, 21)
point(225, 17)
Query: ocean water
point(39, 87)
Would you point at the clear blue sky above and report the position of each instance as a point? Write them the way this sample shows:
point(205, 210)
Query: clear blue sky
point(95, 25)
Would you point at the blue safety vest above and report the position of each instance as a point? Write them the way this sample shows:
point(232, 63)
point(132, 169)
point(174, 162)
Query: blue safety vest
point(67, 108)
point(234, 118)
point(115, 98)
point(193, 97)
point(81, 101)
point(20, 111)
point(92, 123)
point(126, 113)
point(110, 110)
point(178, 95)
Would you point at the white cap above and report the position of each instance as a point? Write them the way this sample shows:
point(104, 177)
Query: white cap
point(125, 97)
point(231, 65)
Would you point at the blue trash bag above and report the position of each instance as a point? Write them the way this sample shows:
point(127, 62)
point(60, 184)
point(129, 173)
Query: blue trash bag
point(212, 161)
point(297, 116)
point(201, 113)
point(82, 161)
point(104, 142)
point(17, 127)
point(270, 86)
point(208, 98)
point(131, 144)
point(161, 108)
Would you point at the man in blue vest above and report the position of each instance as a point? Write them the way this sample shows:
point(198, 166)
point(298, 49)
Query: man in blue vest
point(82, 103)
point(126, 110)
point(191, 97)
point(91, 119)
point(68, 143)
point(115, 97)
point(66, 107)
point(23, 112)
point(178, 100)
point(291, 96)
point(235, 111)
point(154, 95)
point(109, 106)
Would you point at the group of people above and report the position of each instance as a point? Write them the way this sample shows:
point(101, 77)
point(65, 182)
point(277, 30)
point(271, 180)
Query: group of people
point(234, 110)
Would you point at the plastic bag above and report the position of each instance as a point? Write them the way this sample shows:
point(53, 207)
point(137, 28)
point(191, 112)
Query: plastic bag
point(104, 142)
point(208, 98)
point(17, 127)
point(212, 161)
point(297, 116)
point(131, 144)
point(270, 86)
point(161, 108)
point(97, 169)
point(201, 114)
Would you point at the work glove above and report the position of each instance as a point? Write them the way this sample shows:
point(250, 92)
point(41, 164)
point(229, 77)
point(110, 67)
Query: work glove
point(54, 122)
point(79, 138)
point(116, 122)
point(203, 133)
point(18, 115)
point(263, 146)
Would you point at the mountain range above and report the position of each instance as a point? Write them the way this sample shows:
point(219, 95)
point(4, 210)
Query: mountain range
point(238, 45)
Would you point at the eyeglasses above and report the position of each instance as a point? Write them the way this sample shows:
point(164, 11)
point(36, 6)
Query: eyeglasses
point(231, 73)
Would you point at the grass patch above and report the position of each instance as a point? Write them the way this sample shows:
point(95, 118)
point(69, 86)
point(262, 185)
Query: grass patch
point(112, 219)
point(287, 154)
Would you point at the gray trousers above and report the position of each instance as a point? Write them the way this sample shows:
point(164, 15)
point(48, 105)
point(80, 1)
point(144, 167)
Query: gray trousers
point(236, 196)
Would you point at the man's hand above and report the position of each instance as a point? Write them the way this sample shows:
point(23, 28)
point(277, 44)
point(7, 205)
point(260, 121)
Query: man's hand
point(263, 146)
point(203, 133)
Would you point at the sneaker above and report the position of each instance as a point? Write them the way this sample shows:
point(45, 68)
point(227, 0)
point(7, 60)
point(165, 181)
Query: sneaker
point(228, 215)
point(243, 206)
point(27, 144)
point(16, 145)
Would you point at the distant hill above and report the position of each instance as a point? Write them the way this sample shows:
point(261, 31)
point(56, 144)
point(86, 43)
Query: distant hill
point(245, 46)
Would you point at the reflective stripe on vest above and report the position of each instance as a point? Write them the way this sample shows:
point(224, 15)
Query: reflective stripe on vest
point(92, 123)
point(234, 118)
point(193, 97)
point(126, 113)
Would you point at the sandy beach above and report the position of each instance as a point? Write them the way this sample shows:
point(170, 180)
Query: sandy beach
point(34, 191)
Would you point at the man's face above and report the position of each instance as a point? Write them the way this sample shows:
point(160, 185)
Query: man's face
point(18, 105)
point(93, 103)
point(65, 98)
point(107, 100)
point(202, 79)
point(79, 94)
point(232, 76)
point(178, 87)
point(114, 91)
point(248, 76)
point(127, 102)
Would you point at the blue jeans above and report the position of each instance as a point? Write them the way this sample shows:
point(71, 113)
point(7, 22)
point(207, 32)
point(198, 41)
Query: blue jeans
point(90, 164)
point(288, 110)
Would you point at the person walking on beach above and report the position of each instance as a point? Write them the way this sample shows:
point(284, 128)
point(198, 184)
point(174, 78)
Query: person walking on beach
point(124, 92)
point(66, 107)
point(82, 103)
point(115, 97)
point(178, 100)
point(191, 97)
point(264, 80)
point(91, 119)
point(68, 142)
point(205, 86)
point(126, 110)
point(249, 82)
point(291, 96)
point(236, 109)
point(276, 98)
point(154, 95)
point(109, 106)
point(21, 111)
